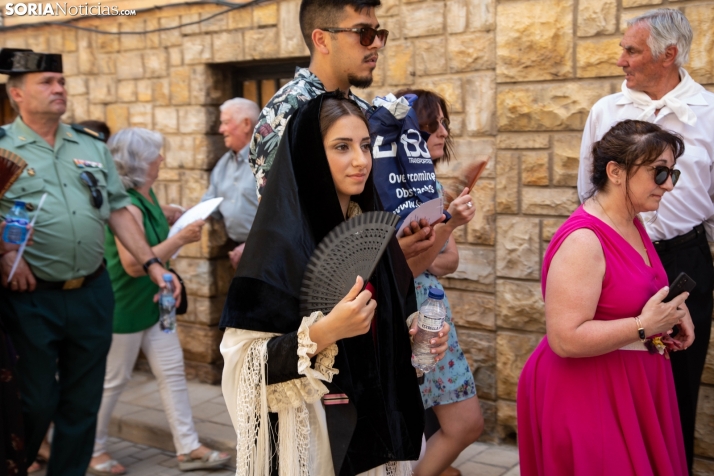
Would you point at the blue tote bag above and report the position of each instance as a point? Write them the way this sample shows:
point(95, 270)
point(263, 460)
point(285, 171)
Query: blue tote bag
point(404, 174)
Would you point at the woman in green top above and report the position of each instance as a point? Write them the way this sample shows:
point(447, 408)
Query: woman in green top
point(137, 156)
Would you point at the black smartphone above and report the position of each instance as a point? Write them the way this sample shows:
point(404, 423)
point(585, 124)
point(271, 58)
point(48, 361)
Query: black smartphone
point(683, 283)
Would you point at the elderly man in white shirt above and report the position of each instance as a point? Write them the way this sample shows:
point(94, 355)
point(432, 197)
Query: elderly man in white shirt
point(232, 177)
point(657, 89)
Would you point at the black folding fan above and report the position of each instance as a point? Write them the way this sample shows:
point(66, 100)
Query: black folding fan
point(353, 248)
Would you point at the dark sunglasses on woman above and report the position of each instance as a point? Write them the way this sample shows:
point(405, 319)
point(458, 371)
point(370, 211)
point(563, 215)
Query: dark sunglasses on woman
point(91, 181)
point(366, 34)
point(433, 126)
point(661, 173)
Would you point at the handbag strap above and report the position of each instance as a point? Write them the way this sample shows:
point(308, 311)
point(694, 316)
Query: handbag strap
point(147, 214)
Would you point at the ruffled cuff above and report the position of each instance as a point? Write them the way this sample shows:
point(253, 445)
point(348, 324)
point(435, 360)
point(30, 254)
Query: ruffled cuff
point(308, 388)
point(324, 361)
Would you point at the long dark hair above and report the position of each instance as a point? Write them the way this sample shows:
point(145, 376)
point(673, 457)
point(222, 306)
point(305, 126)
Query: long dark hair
point(427, 109)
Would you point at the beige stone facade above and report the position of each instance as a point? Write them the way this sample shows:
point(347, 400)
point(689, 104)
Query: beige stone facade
point(520, 76)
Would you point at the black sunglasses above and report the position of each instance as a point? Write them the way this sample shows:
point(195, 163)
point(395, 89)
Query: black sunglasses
point(366, 34)
point(91, 181)
point(661, 173)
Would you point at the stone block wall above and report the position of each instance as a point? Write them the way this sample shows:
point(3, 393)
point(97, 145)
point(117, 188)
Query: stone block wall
point(520, 77)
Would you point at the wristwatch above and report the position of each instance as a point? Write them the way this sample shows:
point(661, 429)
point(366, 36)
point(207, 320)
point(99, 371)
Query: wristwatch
point(150, 262)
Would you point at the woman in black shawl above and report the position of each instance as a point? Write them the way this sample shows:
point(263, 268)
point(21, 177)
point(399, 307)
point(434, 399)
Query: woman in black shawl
point(338, 390)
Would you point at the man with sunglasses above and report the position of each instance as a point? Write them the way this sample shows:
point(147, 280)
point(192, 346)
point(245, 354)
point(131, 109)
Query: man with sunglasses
point(657, 89)
point(344, 39)
point(58, 306)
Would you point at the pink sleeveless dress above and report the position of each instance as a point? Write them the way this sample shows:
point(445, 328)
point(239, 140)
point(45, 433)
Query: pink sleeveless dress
point(614, 414)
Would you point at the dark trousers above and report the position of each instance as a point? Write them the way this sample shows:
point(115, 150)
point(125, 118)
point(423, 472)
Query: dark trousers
point(693, 258)
point(12, 433)
point(62, 339)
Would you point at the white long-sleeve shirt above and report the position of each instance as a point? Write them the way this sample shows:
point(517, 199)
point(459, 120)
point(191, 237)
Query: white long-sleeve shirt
point(692, 200)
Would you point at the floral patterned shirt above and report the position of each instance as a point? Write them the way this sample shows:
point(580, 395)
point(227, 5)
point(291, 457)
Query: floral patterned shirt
point(274, 116)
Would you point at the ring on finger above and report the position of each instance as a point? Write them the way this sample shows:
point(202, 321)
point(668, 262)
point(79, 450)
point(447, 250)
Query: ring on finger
point(469, 204)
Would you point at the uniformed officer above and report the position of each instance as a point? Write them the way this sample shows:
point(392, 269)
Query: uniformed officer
point(58, 306)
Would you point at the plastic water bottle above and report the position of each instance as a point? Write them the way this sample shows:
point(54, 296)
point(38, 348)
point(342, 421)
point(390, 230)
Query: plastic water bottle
point(431, 319)
point(16, 223)
point(167, 306)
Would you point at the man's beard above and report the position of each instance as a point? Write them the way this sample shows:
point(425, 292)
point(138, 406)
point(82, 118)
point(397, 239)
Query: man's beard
point(360, 82)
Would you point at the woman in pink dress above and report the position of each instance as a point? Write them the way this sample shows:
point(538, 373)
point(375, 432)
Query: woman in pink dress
point(592, 400)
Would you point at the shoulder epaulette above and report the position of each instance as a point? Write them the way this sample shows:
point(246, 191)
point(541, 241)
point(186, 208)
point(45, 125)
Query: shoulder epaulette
point(88, 131)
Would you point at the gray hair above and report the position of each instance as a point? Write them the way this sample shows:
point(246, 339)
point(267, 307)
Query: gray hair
point(240, 108)
point(14, 81)
point(133, 149)
point(667, 27)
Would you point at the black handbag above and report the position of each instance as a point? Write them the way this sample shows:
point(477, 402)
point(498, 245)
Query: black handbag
point(183, 307)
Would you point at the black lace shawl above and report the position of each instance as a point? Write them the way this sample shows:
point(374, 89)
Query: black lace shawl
point(384, 419)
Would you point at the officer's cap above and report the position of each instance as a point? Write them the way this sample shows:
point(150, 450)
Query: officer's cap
point(15, 61)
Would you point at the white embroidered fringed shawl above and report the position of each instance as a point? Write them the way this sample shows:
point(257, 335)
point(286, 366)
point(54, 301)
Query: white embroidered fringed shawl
point(303, 444)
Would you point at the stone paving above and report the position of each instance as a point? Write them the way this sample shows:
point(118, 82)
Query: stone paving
point(141, 440)
point(140, 460)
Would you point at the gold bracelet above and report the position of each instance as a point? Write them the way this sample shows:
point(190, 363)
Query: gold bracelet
point(640, 329)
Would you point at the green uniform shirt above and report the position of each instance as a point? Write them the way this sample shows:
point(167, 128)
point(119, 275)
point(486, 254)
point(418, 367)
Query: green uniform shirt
point(134, 306)
point(69, 231)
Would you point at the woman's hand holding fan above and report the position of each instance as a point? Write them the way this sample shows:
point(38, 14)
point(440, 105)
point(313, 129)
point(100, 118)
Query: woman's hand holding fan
point(462, 174)
point(462, 209)
point(349, 318)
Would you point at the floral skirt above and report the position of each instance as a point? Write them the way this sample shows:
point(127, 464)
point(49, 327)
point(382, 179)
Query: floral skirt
point(452, 380)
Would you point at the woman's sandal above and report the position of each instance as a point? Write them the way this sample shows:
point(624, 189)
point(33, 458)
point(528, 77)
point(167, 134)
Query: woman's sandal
point(104, 469)
point(211, 459)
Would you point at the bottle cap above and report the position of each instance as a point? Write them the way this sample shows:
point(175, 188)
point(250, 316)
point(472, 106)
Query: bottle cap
point(19, 203)
point(436, 293)
point(168, 277)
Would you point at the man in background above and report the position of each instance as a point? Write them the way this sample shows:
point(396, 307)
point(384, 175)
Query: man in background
point(232, 178)
point(344, 39)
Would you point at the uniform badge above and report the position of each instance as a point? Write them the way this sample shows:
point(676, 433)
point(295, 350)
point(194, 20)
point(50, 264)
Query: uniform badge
point(82, 164)
point(31, 172)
